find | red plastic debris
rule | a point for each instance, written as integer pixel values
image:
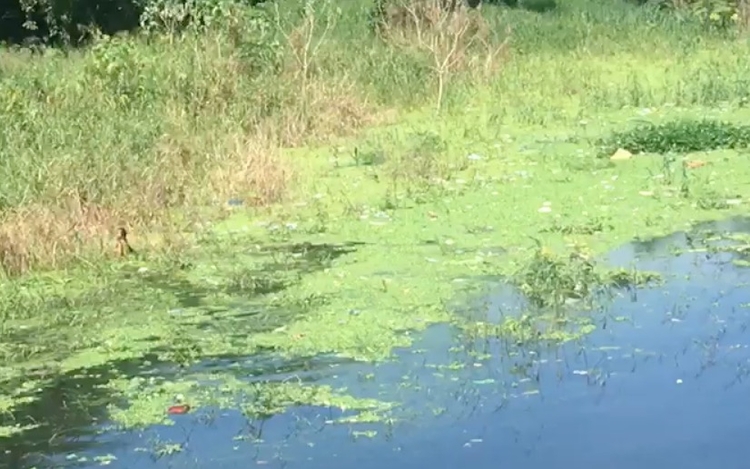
(178, 409)
(695, 164)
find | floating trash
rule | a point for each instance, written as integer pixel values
(546, 207)
(178, 409)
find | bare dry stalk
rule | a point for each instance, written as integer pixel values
(322, 106)
(303, 39)
(455, 38)
(743, 14)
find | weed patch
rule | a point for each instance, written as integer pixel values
(589, 227)
(680, 136)
(423, 168)
(552, 281)
(161, 130)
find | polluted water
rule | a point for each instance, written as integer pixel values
(659, 382)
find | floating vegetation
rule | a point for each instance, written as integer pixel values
(678, 136)
(549, 280)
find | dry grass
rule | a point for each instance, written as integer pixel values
(257, 174)
(44, 236)
(331, 109)
(743, 14)
(37, 236)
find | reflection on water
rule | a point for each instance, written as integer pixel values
(660, 383)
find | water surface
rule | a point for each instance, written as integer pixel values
(660, 383)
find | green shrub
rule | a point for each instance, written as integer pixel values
(72, 21)
(680, 136)
(714, 13)
(549, 280)
(539, 6)
(68, 21)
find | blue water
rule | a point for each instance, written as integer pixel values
(660, 383)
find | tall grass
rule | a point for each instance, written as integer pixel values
(136, 129)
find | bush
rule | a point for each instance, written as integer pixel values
(539, 6)
(68, 21)
(681, 136)
(73, 21)
(714, 13)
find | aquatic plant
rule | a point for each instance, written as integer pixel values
(679, 136)
(550, 281)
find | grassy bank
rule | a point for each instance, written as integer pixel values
(140, 130)
(423, 166)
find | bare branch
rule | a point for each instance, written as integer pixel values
(447, 32)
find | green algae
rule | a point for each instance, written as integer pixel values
(533, 329)
(148, 400)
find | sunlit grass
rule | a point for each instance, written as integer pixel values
(130, 130)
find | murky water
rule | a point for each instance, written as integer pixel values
(661, 383)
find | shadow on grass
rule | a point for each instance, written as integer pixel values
(272, 276)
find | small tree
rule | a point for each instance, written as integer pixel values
(305, 38)
(451, 34)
